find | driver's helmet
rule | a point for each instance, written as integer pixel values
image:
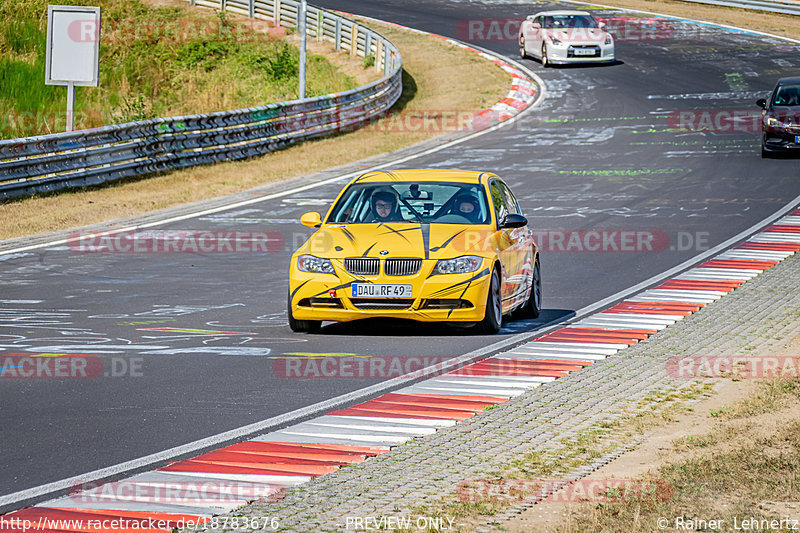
(468, 207)
(385, 195)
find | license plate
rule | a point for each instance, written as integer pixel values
(584, 52)
(377, 290)
(797, 139)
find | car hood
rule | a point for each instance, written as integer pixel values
(426, 241)
(578, 35)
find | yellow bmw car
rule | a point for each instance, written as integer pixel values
(428, 245)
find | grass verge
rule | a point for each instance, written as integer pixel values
(156, 60)
(477, 501)
(438, 78)
(742, 474)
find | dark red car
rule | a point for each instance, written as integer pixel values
(780, 120)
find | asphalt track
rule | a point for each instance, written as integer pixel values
(194, 336)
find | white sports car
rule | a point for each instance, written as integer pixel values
(560, 37)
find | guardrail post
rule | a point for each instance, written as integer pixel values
(319, 25)
(337, 39)
(379, 54)
(367, 43)
(222, 5)
(388, 60)
(251, 9)
(277, 13)
(354, 40)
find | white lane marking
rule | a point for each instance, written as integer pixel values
(271, 479)
(759, 255)
(404, 430)
(612, 325)
(69, 503)
(599, 349)
(439, 422)
(351, 436)
(776, 237)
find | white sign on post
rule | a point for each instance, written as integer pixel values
(73, 50)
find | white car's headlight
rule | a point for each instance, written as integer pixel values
(555, 41)
(310, 263)
(609, 39)
(459, 265)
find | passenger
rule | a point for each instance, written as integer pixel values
(385, 206)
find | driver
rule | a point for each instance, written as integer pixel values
(467, 206)
(385, 208)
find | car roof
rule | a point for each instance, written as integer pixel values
(787, 81)
(421, 175)
(562, 12)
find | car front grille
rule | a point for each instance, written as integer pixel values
(334, 303)
(439, 303)
(402, 267)
(362, 266)
(382, 303)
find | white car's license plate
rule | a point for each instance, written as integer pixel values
(584, 52)
(377, 290)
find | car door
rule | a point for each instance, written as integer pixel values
(512, 247)
(536, 36)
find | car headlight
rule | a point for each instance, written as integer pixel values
(555, 41)
(310, 263)
(609, 39)
(773, 122)
(459, 265)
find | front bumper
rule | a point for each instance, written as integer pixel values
(782, 140)
(440, 298)
(569, 53)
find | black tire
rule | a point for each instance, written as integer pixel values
(533, 306)
(493, 318)
(522, 52)
(545, 61)
(301, 326)
(765, 154)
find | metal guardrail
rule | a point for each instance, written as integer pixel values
(51, 162)
(788, 7)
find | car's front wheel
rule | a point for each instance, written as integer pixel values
(545, 60)
(765, 154)
(301, 326)
(493, 317)
(522, 53)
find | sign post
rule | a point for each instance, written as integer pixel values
(73, 50)
(301, 27)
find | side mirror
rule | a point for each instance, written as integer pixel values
(312, 220)
(601, 25)
(762, 103)
(513, 220)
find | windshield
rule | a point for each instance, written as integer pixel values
(787, 95)
(570, 21)
(424, 202)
